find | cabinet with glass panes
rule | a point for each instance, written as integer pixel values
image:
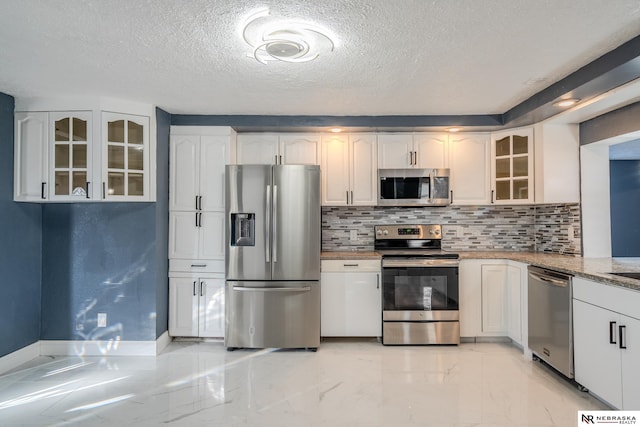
(80, 156)
(125, 170)
(512, 166)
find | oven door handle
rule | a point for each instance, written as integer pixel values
(420, 263)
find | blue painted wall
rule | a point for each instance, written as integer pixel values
(20, 250)
(625, 205)
(163, 123)
(108, 258)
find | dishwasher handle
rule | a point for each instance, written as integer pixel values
(549, 279)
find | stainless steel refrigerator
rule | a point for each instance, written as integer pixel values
(272, 237)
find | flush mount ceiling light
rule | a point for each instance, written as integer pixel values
(278, 39)
(567, 102)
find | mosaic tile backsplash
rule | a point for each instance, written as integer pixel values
(541, 228)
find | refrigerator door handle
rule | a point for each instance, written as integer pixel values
(252, 289)
(275, 223)
(267, 227)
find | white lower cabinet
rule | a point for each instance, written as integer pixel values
(606, 337)
(196, 306)
(351, 300)
(491, 299)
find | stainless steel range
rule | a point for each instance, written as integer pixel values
(419, 286)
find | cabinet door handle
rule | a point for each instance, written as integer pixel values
(280, 159)
(612, 333)
(104, 190)
(347, 196)
(87, 189)
(351, 197)
(378, 281)
(202, 285)
(350, 265)
(198, 265)
(275, 162)
(194, 288)
(196, 202)
(200, 202)
(492, 191)
(197, 219)
(42, 190)
(622, 329)
(200, 219)
(451, 195)
(415, 158)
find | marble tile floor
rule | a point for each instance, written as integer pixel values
(345, 383)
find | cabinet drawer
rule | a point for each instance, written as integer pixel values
(341, 265)
(197, 266)
(614, 298)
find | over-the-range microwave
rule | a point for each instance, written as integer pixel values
(413, 187)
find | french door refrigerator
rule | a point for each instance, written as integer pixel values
(272, 261)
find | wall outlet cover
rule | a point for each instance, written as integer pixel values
(102, 320)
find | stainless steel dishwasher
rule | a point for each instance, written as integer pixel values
(550, 318)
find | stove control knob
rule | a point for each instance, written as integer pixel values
(385, 232)
(379, 232)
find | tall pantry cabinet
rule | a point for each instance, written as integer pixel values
(198, 155)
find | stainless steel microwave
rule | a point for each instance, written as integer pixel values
(413, 187)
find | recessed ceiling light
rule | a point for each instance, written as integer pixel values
(454, 129)
(277, 39)
(567, 102)
(336, 130)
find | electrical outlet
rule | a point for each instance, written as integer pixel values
(102, 320)
(353, 235)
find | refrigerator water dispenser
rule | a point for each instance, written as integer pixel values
(243, 226)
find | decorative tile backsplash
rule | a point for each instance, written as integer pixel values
(543, 228)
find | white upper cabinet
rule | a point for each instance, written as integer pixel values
(76, 156)
(432, 150)
(70, 147)
(512, 166)
(395, 151)
(282, 149)
(406, 150)
(349, 172)
(557, 163)
(300, 149)
(31, 156)
(257, 148)
(125, 157)
(196, 172)
(469, 163)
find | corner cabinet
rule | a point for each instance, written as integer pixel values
(512, 167)
(64, 157)
(606, 337)
(349, 170)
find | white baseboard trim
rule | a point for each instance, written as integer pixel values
(162, 342)
(18, 357)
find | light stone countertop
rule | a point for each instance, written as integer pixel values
(595, 269)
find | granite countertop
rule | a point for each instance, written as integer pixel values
(350, 255)
(595, 269)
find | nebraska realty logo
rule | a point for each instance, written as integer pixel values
(627, 418)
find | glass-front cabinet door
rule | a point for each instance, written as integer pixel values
(125, 157)
(512, 166)
(70, 155)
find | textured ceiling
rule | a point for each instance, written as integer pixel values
(404, 57)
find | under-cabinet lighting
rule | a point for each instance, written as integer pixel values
(568, 102)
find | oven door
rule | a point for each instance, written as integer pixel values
(417, 289)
